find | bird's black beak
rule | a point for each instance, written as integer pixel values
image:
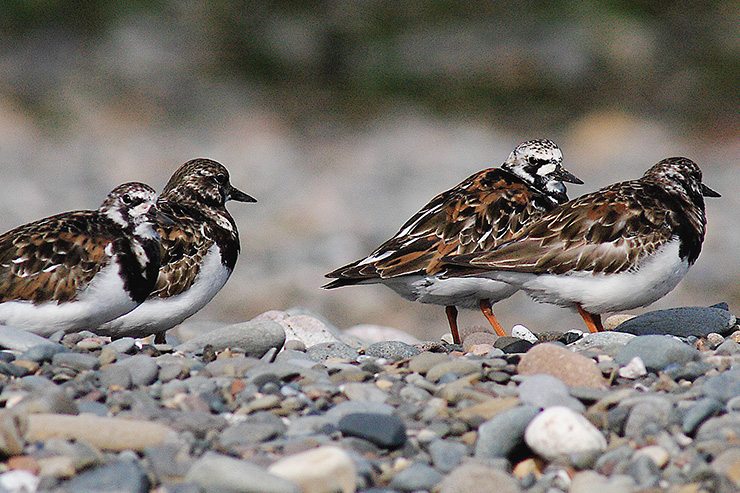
(708, 192)
(563, 174)
(239, 196)
(159, 217)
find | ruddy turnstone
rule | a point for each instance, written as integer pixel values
(79, 269)
(621, 247)
(199, 250)
(476, 215)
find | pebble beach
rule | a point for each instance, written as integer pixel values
(289, 403)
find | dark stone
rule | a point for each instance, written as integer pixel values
(384, 430)
(518, 347)
(682, 322)
(118, 477)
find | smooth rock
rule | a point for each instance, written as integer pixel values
(18, 481)
(386, 431)
(727, 348)
(121, 476)
(547, 391)
(593, 482)
(21, 340)
(501, 434)
(608, 343)
(477, 413)
(356, 391)
(323, 470)
(123, 345)
(700, 412)
(648, 416)
(512, 345)
(254, 337)
(52, 400)
(726, 427)
(417, 477)
(75, 361)
(221, 474)
(724, 386)
(571, 368)
(447, 455)
(391, 350)
(561, 432)
(522, 332)
(458, 367)
(120, 434)
(258, 427)
(115, 376)
(613, 321)
(13, 427)
(43, 352)
(476, 338)
(656, 352)
(655, 453)
(634, 369)
(343, 409)
(478, 478)
(377, 333)
(334, 350)
(681, 322)
(143, 369)
(424, 362)
(727, 464)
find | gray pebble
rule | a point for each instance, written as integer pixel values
(143, 369)
(392, 350)
(43, 352)
(75, 361)
(417, 477)
(447, 455)
(698, 413)
(498, 436)
(116, 477)
(724, 386)
(258, 427)
(681, 322)
(122, 345)
(547, 391)
(325, 350)
(19, 340)
(113, 375)
(648, 417)
(384, 430)
(254, 337)
(222, 474)
(657, 352)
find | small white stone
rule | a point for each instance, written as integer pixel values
(558, 431)
(522, 332)
(323, 470)
(634, 369)
(19, 481)
(447, 338)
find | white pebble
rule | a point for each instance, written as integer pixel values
(19, 481)
(558, 431)
(322, 470)
(634, 369)
(522, 332)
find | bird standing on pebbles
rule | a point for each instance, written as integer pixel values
(621, 247)
(199, 250)
(76, 270)
(476, 215)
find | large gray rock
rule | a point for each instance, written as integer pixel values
(219, 473)
(657, 352)
(116, 477)
(142, 369)
(683, 322)
(21, 340)
(254, 337)
(501, 434)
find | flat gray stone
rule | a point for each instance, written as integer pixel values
(116, 477)
(143, 369)
(254, 337)
(76, 361)
(392, 350)
(384, 430)
(682, 322)
(20, 340)
(547, 391)
(325, 350)
(417, 477)
(498, 436)
(657, 352)
(219, 473)
(608, 342)
(724, 386)
(447, 455)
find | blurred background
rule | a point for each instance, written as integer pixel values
(345, 117)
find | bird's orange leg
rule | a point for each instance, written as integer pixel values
(451, 312)
(592, 320)
(485, 307)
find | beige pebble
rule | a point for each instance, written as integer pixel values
(573, 369)
(323, 470)
(613, 321)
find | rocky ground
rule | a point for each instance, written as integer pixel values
(287, 403)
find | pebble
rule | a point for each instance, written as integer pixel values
(591, 481)
(501, 434)
(123, 345)
(258, 427)
(547, 391)
(573, 369)
(512, 345)
(322, 470)
(424, 362)
(416, 477)
(331, 350)
(724, 386)
(20, 340)
(456, 367)
(634, 369)
(608, 343)
(75, 361)
(559, 431)
(142, 369)
(478, 478)
(120, 434)
(614, 321)
(219, 473)
(12, 432)
(42, 352)
(656, 352)
(391, 350)
(447, 455)
(727, 464)
(384, 430)
(254, 337)
(121, 476)
(681, 322)
(698, 413)
(522, 332)
(18, 481)
(364, 392)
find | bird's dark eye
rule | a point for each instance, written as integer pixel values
(126, 199)
(533, 160)
(221, 179)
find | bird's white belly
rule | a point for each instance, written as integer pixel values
(160, 314)
(655, 277)
(102, 300)
(463, 292)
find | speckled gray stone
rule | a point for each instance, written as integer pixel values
(657, 352)
(392, 350)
